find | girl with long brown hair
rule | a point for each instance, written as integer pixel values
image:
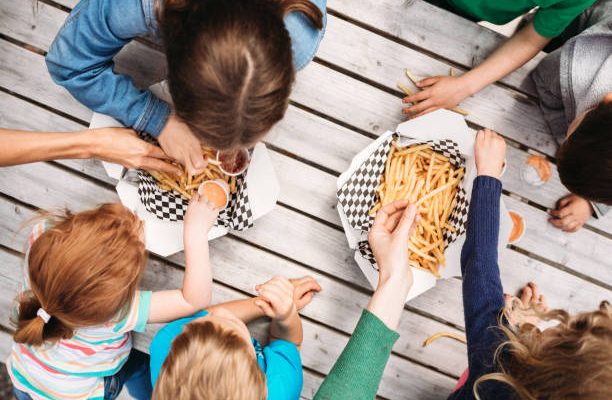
(231, 65)
(80, 301)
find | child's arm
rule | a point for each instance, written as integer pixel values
(81, 59)
(245, 310)
(276, 300)
(196, 293)
(483, 297)
(118, 145)
(447, 91)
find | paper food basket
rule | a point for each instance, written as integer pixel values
(448, 134)
(162, 211)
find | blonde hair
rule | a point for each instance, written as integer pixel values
(83, 271)
(572, 360)
(209, 362)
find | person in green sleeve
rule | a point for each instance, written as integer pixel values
(358, 370)
(551, 19)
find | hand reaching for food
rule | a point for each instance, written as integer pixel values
(199, 219)
(571, 214)
(177, 140)
(388, 238)
(489, 153)
(436, 92)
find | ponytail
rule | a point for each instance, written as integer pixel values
(306, 7)
(31, 329)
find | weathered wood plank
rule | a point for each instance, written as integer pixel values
(434, 30)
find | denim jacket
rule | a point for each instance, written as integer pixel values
(81, 57)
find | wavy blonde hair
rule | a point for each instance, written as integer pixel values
(572, 360)
(209, 362)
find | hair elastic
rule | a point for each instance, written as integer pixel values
(43, 315)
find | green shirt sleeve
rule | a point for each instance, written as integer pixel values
(551, 20)
(358, 371)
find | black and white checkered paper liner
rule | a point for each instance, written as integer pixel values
(358, 194)
(169, 206)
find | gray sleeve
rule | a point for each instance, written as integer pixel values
(600, 209)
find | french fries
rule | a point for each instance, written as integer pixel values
(428, 180)
(187, 185)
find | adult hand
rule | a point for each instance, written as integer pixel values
(304, 290)
(123, 146)
(200, 217)
(571, 214)
(489, 153)
(181, 144)
(388, 238)
(276, 299)
(436, 92)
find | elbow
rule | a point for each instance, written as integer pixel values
(199, 302)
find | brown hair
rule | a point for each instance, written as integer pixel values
(83, 271)
(209, 362)
(230, 68)
(568, 361)
(585, 158)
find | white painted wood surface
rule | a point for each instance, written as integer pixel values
(340, 103)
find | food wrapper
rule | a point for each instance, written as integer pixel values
(163, 211)
(447, 133)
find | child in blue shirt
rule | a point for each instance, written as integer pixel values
(211, 354)
(231, 65)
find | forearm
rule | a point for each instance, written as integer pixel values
(21, 147)
(289, 330)
(514, 53)
(197, 281)
(358, 370)
(387, 302)
(245, 310)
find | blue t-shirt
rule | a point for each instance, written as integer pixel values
(280, 360)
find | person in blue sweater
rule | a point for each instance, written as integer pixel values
(508, 356)
(231, 65)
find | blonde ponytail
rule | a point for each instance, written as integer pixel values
(305, 7)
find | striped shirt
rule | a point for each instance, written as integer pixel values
(75, 368)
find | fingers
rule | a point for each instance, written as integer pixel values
(415, 98)
(265, 307)
(569, 223)
(565, 201)
(407, 221)
(309, 286)
(536, 291)
(195, 163)
(156, 152)
(561, 212)
(526, 295)
(382, 216)
(428, 81)
(417, 108)
(157, 164)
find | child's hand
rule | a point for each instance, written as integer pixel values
(571, 214)
(436, 92)
(181, 144)
(276, 298)
(489, 152)
(199, 218)
(304, 290)
(393, 226)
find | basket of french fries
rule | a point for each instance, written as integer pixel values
(429, 161)
(167, 196)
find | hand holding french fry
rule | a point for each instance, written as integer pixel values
(489, 153)
(389, 238)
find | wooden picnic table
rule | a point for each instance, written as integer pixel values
(341, 102)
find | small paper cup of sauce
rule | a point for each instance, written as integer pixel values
(233, 162)
(518, 227)
(216, 191)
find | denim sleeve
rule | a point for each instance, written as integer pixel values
(305, 37)
(81, 60)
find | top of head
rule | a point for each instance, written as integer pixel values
(83, 270)
(230, 66)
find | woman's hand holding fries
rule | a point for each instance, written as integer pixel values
(182, 145)
(388, 238)
(489, 153)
